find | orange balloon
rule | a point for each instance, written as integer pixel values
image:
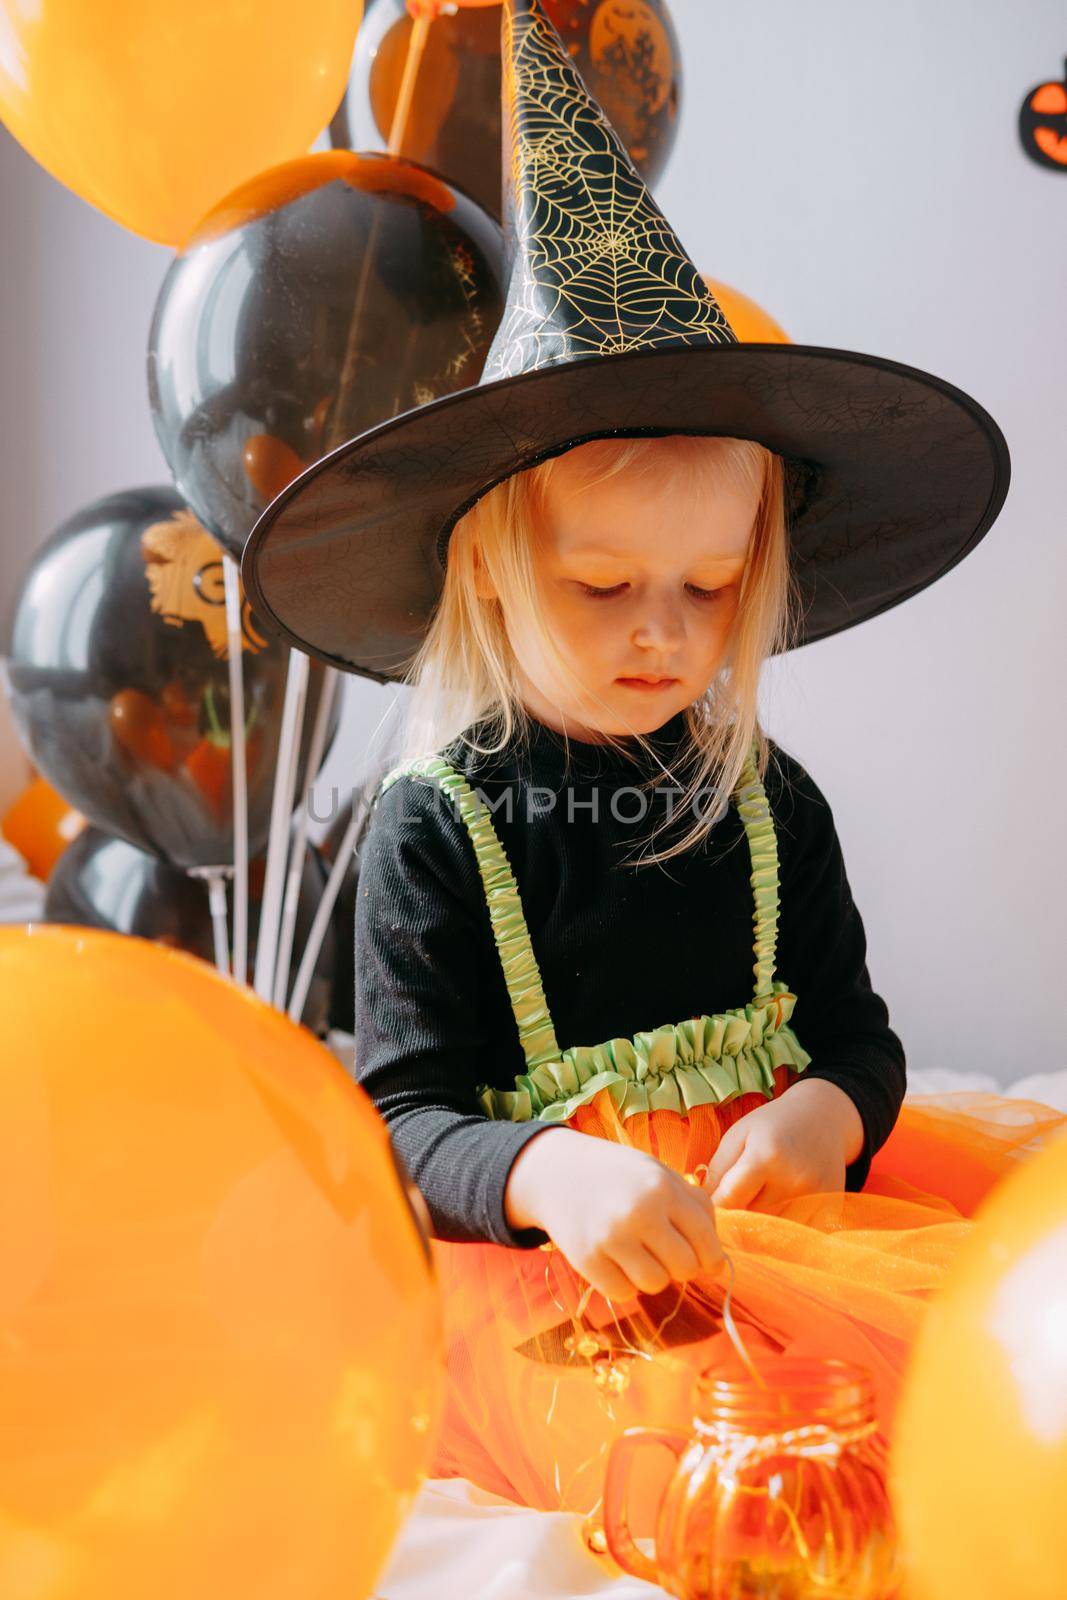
(980, 1458)
(749, 321)
(152, 111)
(40, 824)
(220, 1344)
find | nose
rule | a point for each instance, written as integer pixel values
(661, 626)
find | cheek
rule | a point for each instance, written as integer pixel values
(594, 631)
(728, 610)
(582, 629)
(567, 623)
(719, 625)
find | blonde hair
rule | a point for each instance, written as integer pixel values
(464, 670)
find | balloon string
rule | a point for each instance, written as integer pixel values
(296, 685)
(298, 846)
(321, 920)
(235, 667)
(420, 28)
(697, 1177)
(732, 1330)
(214, 880)
(398, 127)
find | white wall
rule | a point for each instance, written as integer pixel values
(856, 169)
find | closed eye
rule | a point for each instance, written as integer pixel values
(617, 588)
(602, 594)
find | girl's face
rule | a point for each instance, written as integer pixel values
(640, 578)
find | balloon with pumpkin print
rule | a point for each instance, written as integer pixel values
(1043, 123)
(118, 677)
(626, 50)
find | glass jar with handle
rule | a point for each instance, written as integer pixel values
(778, 1492)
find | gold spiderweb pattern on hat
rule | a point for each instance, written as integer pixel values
(597, 270)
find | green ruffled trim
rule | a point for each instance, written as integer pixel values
(521, 972)
(754, 809)
(704, 1060)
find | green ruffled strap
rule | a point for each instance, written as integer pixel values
(521, 972)
(704, 1060)
(755, 811)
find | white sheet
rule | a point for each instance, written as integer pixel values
(461, 1543)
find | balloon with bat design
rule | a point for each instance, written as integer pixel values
(118, 676)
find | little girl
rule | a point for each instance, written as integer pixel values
(583, 878)
(592, 658)
(599, 843)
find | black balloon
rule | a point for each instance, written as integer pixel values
(324, 297)
(103, 882)
(118, 677)
(626, 50)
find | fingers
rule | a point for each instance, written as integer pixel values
(731, 1148)
(742, 1183)
(696, 1222)
(610, 1280)
(679, 1247)
(645, 1270)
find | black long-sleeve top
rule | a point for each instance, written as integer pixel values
(620, 949)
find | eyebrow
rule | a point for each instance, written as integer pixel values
(733, 563)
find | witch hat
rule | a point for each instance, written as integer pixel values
(892, 475)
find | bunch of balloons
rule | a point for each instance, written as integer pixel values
(219, 1339)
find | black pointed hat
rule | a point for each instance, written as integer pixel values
(892, 475)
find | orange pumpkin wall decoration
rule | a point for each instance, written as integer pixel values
(1043, 124)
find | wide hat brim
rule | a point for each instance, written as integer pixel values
(893, 476)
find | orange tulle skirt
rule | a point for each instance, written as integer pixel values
(543, 1373)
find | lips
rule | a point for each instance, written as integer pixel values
(652, 682)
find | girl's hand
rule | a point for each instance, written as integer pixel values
(798, 1144)
(626, 1222)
